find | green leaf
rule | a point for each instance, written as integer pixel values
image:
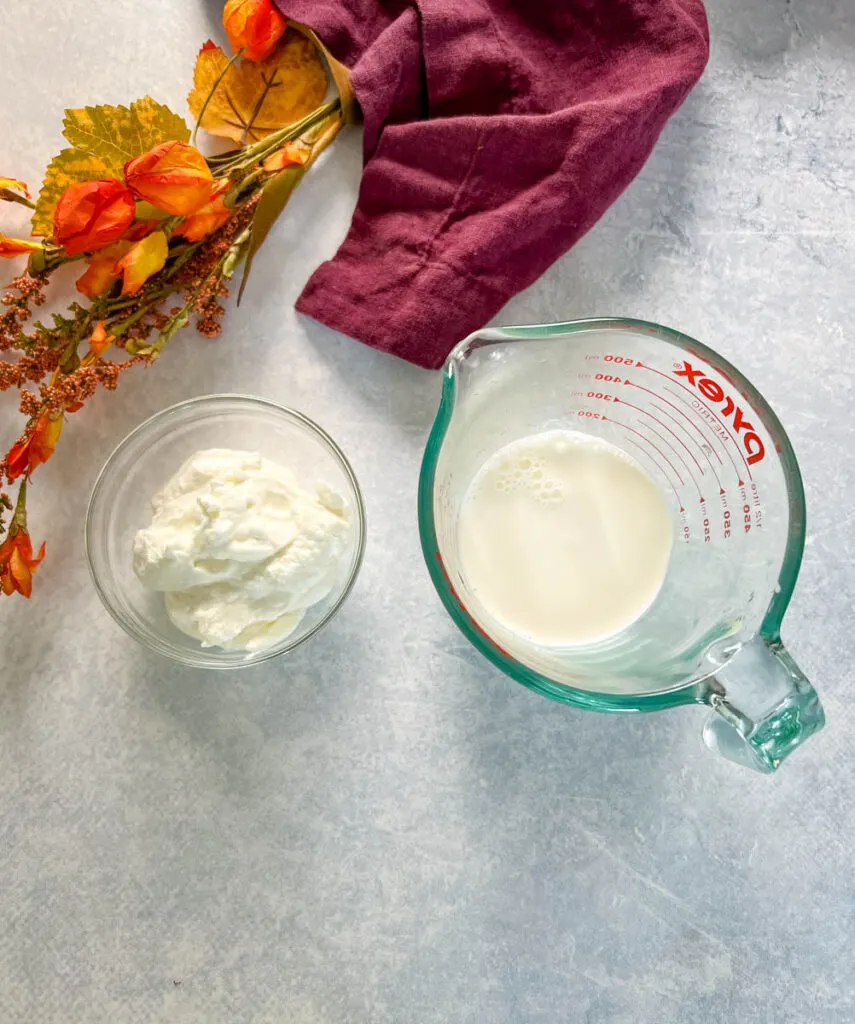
(145, 211)
(273, 200)
(70, 359)
(103, 139)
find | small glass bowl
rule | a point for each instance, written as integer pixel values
(140, 466)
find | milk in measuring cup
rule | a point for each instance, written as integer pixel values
(564, 539)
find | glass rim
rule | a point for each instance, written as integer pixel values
(210, 657)
(692, 690)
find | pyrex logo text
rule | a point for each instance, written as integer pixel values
(715, 393)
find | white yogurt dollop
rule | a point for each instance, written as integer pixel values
(240, 549)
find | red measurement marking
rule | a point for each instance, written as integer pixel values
(644, 451)
(645, 438)
(704, 446)
(671, 432)
(706, 522)
(736, 469)
(688, 419)
(694, 395)
(671, 447)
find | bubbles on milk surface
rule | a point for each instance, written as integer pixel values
(564, 538)
(528, 471)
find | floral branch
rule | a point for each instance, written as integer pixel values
(164, 221)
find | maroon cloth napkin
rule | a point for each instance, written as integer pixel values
(497, 132)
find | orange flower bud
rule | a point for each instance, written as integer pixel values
(173, 176)
(98, 278)
(255, 26)
(102, 270)
(92, 214)
(17, 564)
(14, 185)
(207, 218)
(139, 229)
(143, 259)
(99, 339)
(34, 449)
(290, 154)
(11, 247)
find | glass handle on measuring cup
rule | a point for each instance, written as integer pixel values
(764, 707)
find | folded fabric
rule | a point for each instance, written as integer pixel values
(497, 132)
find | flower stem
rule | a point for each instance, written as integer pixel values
(326, 136)
(210, 95)
(258, 150)
(10, 197)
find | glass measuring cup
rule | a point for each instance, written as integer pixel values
(733, 487)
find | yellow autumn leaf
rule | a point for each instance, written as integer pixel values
(255, 99)
(120, 133)
(103, 139)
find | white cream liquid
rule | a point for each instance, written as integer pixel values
(564, 539)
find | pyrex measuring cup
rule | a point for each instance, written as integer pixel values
(721, 457)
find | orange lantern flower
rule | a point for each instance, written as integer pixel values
(14, 185)
(143, 259)
(207, 218)
(173, 176)
(98, 278)
(34, 449)
(92, 214)
(17, 564)
(102, 270)
(139, 229)
(254, 26)
(11, 247)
